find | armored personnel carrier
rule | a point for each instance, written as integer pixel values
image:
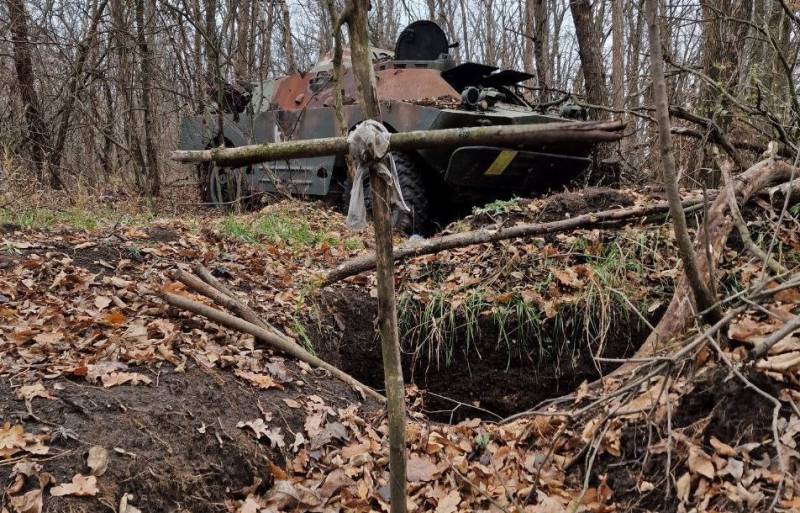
(420, 87)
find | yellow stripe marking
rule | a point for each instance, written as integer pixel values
(501, 163)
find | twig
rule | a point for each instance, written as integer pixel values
(761, 350)
(741, 226)
(480, 490)
(367, 261)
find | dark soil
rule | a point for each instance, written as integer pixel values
(558, 206)
(490, 380)
(182, 449)
(588, 200)
(102, 258)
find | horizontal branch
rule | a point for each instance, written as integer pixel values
(366, 262)
(543, 133)
(783, 151)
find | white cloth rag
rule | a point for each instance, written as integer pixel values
(369, 148)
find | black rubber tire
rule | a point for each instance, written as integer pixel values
(231, 181)
(414, 194)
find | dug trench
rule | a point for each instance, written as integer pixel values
(488, 372)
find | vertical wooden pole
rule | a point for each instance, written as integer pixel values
(704, 298)
(387, 310)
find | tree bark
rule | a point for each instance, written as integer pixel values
(700, 290)
(37, 133)
(618, 64)
(153, 184)
(591, 59)
(540, 48)
(241, 60)
(288, 45)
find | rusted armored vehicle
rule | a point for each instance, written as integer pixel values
(420, 88)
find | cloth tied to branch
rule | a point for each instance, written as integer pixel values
(369, 148)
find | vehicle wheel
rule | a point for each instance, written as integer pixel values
(222, 187)
(414, 194)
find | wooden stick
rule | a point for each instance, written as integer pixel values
(239, 308)
(763, 348)
(226, 300)
(367, 261)
(364, 72)
(280, 343)
(545, 133)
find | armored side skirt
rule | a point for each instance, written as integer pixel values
(492, 169)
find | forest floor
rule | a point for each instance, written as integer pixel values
(111, 400)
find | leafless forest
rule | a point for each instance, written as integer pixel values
(92, 92)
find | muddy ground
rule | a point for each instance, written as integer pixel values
(175, 445)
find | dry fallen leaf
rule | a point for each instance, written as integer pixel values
(683, 486)
(121, 378)
(721, 448)
(29, 502)
(700, 463)
(97, 461)
(450, 502)
(28, 392)
(264, 381)
(125, 506)
(420, 468)
(257, 426)
(81, 486)
(101, 302)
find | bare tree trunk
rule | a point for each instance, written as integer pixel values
(153, 185)
(617, 63)
(530, 35)
(634, 60)
(241, 60)
(288, 45)
(540, 48)
(73, 86)
(37, 133)
(341, 126)
(702, 295)
(465, 42)
(723, 49)
(589, 50)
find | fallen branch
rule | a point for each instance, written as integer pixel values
(741, 225)
(366, 262)
(280, 343)
(761, 350)
(225, 300)
(547, 133)
(237, 307)
(681, 309)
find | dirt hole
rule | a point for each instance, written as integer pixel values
(487, 374)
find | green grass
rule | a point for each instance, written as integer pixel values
(610, 304)
(39, 218)
(497, 207)
(276, 228)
